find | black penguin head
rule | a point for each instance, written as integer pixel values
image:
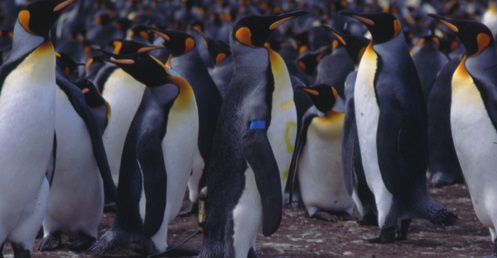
(125, 47)
(382, 26)
(92, 97)
(253, 31)
(38, 17)
(218, 50)
(308, 61)
(144, 68)
(66, 63)
(355, 45)
(474, 36)
(322, 96)
(177, 42)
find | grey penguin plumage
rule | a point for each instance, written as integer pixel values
(473, 116)
(156, 158)
(392, 130)
(250, 156)
(443, 165)
(222, 72)
(27, 105)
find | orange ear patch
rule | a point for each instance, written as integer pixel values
(244, 36)
(189, 44)
(220, 57)
(24, 17)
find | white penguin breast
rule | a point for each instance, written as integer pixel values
(320, 169)
(475, 141)
(124, 94)
(27, 124)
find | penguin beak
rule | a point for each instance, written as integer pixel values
(62, 5)
(159, 33)
(284, 18)
(445, 21)
(147, 49)
(359, 17)
(335, 33)
(122, 61)
(309, 90)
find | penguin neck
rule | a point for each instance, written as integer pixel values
(23, 43)
(186, 61)
(397, 44)
(246, 57)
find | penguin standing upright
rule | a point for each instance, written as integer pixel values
(351, 153)
(473, 116)
(156, 159)
(222, 72)
(124, 94)
(80, 172)
(187, 62)
(27, 125)
(392, 130)
(326, 191)
(254, 141)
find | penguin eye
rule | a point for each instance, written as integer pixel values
(244, 36)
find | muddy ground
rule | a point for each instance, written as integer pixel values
(301, 236)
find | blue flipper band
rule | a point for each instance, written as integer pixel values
(257, 124)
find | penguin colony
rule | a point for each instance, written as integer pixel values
(250, 105)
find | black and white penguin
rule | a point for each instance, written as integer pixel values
(325, 190)
(156, 159)
(27, 125)
(222, 71)
(254, 142)
(473, 116)
(392, 129)
(76, 197)
(187, 62)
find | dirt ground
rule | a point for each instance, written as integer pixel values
(301, 236)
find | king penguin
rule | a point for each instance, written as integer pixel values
(473, 116)
(27, 126)
(392, 129)
(254, 143)
(76, 197)
(351, 153)
(325, 190)
(124, 94)
(187, 62)
(156, 159)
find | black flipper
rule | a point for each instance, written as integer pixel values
(258, 153)
(300, 143)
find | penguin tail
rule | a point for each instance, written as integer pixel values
(114, 238)
(439, 215)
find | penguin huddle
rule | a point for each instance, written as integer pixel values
(249, 105)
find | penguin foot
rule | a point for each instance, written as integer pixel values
(81, 243)
(387, 235)
(20, 252)
(51, 242)
(114, 238)
(110, 207)
(193, 209)
(403, 229)
(326, 216)
(369, 219)
(252, 254)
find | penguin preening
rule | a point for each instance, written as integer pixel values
(76, 197)
(392, 129)
(473, 116)
(27, 125)
(325, 190)
(156, 159)
(249, 158)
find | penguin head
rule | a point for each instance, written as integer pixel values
(144, 68)
(92, 95)
(253, 31)
(218, 50)
(124, 47)
(355, 45)
(177, 42)
(38, 17)
(382, 26)
(308, 61)
(66, 63)
(474, 36)
(323, 96)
